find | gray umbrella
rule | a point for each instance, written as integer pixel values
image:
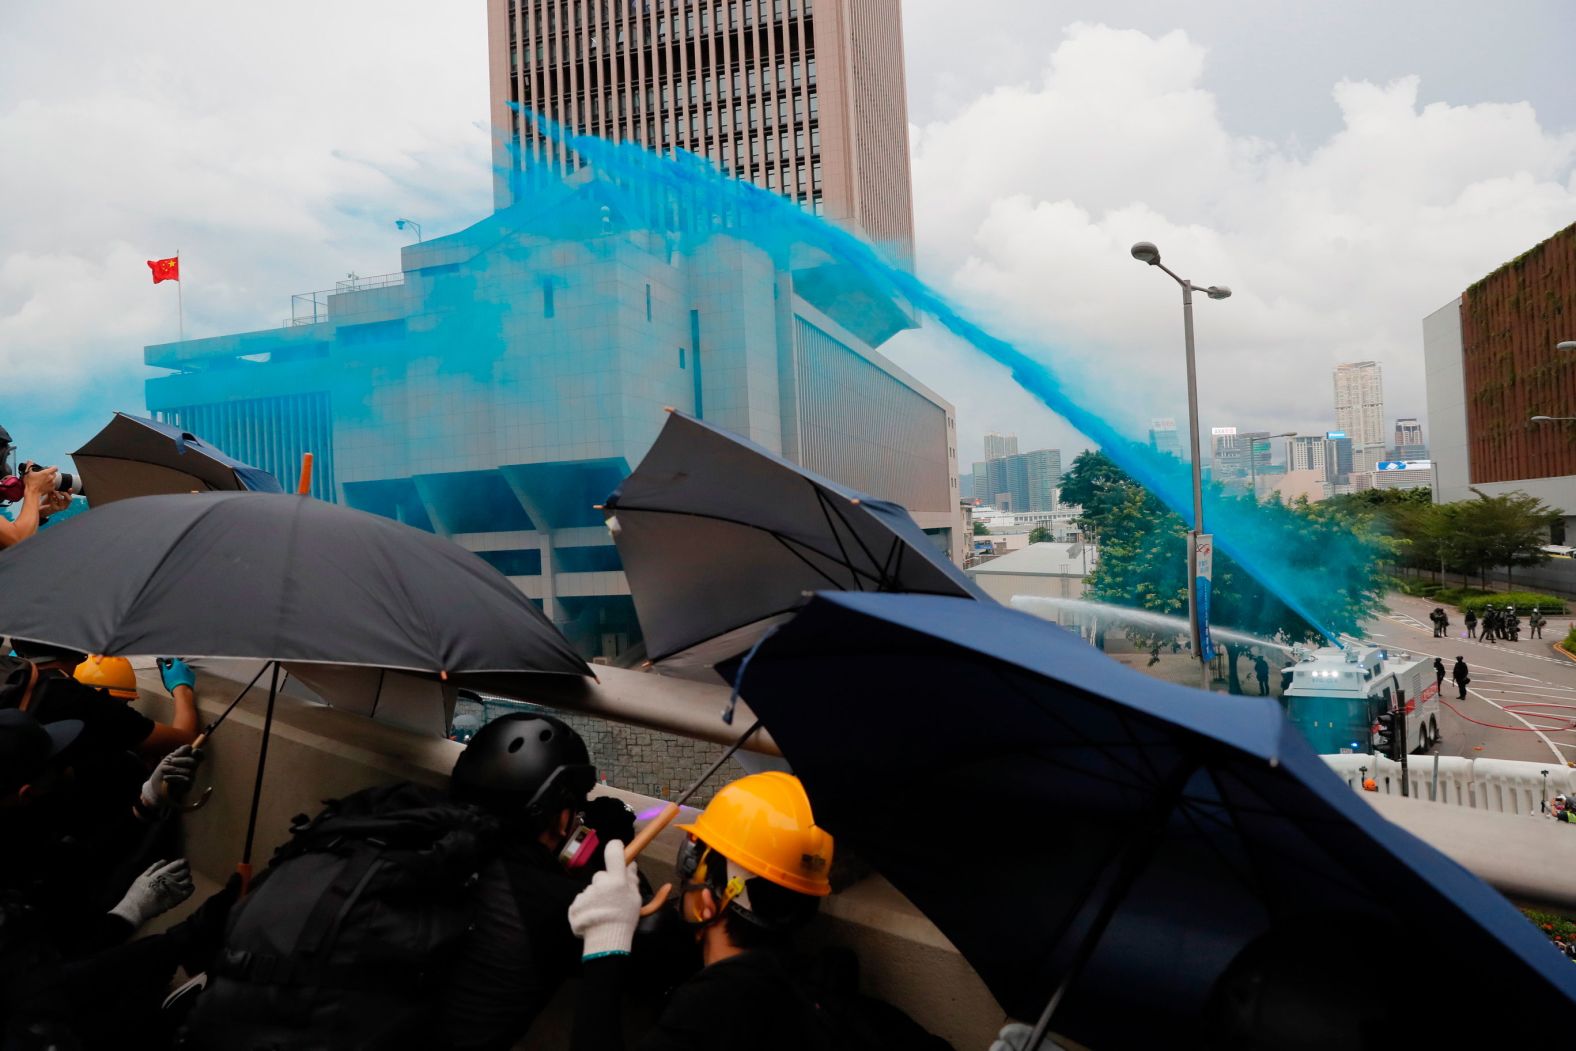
(721, 539)
(278, 578)
(133, 456)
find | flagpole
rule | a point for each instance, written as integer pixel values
(180, 304)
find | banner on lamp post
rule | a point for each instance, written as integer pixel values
(1203, 572)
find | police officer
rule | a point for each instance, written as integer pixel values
(1490, 624)
(1536, 622)
(1512, 625)
(1472, 623)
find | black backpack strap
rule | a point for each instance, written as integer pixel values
(322, 924)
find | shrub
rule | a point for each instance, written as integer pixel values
(1522, 600)
(1552, 924)
(1570, 639)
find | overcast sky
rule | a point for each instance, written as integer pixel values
(1347, 167)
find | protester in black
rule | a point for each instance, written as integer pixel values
(1461, 676)
(1439, 675)
(1261, 672)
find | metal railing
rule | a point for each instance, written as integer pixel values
(309, 308)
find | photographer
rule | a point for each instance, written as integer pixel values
(38, 496)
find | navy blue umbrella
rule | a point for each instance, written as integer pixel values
(1157, 865)
(721, 539)
(133, 456)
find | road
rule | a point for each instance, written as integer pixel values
(1524, 691)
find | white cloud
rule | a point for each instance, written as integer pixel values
(272, 148)
(1028, 198)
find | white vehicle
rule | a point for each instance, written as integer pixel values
(1335, 696)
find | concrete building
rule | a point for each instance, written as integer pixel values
(1239, 456)
(1491, 365)
(1164, 437)
(1310, 452)
(1403, 474)
(1409, 440)
(1359, 411)
(1046, 570)
(1023, 481)
(504, 382)
(1000, 445)
(802, 97)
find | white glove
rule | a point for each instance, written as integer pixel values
(175, 771)
(606, 912)
(1015, 1036)
(165, 885)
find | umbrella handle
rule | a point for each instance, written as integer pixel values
(169, 796)
(244, 870)
(305, 485)
(653, 828)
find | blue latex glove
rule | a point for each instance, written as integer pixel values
(176, 672)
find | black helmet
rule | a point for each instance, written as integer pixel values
(524, 765)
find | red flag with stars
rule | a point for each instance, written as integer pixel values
(165, 269)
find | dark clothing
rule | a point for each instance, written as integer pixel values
(109, 726)
(1461, 676)
(1439, 675)
(1261, 672)
(1472, 623)
(749, 1002)
(519, 951)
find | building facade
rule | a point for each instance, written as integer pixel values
(1310, 453)
(504, 382)
(1164, 437)
(1000, 445)
(1023, 481)
(1493, 363)
(1359, 411)
(1409, 443)
(802, 97)
(1239, 456)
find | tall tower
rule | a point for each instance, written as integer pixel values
(999, 445)
(802, 97)
(1359, 411)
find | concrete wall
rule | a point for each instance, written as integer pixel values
(1447, 401)
(316, 753)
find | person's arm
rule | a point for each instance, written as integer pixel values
(605, 915)
(35, 485)
(182, 727)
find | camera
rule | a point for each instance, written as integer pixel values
(12, 487)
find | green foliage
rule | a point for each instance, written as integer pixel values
(1552, 924)
(1143, 557)
(1522, 600)
(1040, 535)
(980, 529)
(1570, 639)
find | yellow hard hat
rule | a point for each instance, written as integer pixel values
(763, 824)
(110, 673)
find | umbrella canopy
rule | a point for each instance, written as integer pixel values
(133, 456)
(1173, 856)
(275, 577)
(721, 538)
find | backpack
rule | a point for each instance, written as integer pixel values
(345, 939)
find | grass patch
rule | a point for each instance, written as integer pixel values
(1553, 925)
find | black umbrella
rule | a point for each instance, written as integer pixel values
(277, 578)
(721, 538)
(1162, 866)
(133, 456)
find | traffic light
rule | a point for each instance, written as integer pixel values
(1387, 735)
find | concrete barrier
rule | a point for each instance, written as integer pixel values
(316, 753)
(1499, 786)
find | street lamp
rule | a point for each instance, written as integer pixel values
(400, 224)
(1253, 459)
(1565, 344)
(1551, 419)
(1145, 252)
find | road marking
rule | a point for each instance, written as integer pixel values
(1541, 735)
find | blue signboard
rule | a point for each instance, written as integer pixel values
(1391, 465)
(1205, 644)
(1333, 435)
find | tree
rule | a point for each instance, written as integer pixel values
(1040, 535)
(1336, 552)
(1508, 530)
(980, 529)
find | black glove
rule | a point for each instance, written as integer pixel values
(610, 819)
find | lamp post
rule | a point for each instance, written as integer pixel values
(400, 224)
(1145, 252)
(1565, 344)
(1253, 459)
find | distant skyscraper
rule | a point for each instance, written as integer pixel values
(1239, 454)
(803, 98)
(999, 445)
(1310, 453)
(1359, 411)
(1163, 437)
(1022, 481)
(1409, 440)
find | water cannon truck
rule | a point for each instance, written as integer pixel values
(1335, 696)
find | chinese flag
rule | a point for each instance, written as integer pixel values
(165, 269)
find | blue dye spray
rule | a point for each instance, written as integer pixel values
(686, 199)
